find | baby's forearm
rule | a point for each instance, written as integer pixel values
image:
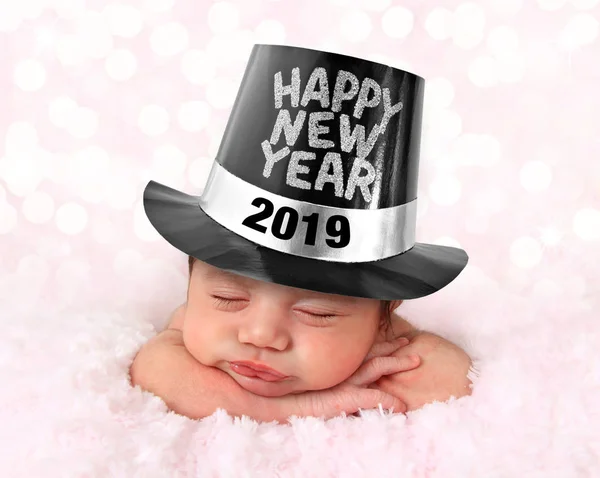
(165, 368)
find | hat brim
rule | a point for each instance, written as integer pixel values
(418, 272)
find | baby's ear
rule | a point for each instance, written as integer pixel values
(177, 318)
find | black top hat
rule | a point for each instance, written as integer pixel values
(315, 182)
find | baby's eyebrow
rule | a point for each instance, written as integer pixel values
(215, 273)
(338, 300)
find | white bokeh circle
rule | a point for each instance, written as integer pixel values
(445, 123)
(483, 71)
(581, 29)
(584, 4)
(510, 67)
(550, 236)
(221, 92)
(193, 116)
(123, 20)
(89, 173)
(60, 111)
(38, 207)
(69, 50)
(355, 26)
(8, 218)
(82, 123)
(374, 5)
(22, 173)
(223, 17)
(439, 23)
(525, 252)
(397, 22)
(92, 35)
(468, 25)
(21, 138)
(198, 67)
(10, 17)
(445, 190)
(168, 163)
(122, 192)
(153, 120)
(169, 39)
(490, 200)
(29, 75)
(159, 5)
(439, 93)
(502, 39)
(230, 48)
(69, 9)
(270, 31)
(551, 5)
(71, 218)
(586, 224)
(508, 7)
(535, 176)
(120, 64)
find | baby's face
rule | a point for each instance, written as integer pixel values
(315, 340)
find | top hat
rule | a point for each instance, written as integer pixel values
(315, 182)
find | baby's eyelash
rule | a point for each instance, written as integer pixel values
(223, 300)
(323, 317)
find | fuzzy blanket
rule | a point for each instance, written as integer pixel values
(67, 408)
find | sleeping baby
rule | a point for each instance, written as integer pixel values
(270, 351)
(301, 246)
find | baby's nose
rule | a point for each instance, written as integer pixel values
(268, 330)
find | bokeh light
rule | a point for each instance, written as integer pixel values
(71, 218)
(169, 39)
(153, 120)
(29, 75)
(120, 64)
(525, 252)
(223, 17)
(397, 22)
(355, 26)
(193, 115)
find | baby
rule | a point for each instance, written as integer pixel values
(270, 351)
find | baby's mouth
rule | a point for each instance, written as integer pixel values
(248, 371)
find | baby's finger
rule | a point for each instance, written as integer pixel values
(374, 398)
(386, 348)
(352, 402)
(375, 368)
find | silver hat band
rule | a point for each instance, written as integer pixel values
(307, 229)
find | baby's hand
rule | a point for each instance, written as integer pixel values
(442, 373)
(353, 394)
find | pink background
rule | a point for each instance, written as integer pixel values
(98, 98)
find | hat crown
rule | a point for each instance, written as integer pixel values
(325, 128)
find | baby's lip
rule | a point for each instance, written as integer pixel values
(259, 368)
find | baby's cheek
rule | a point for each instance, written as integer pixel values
(194, 342)
(329, 365)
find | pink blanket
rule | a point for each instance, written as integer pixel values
(67, 409)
